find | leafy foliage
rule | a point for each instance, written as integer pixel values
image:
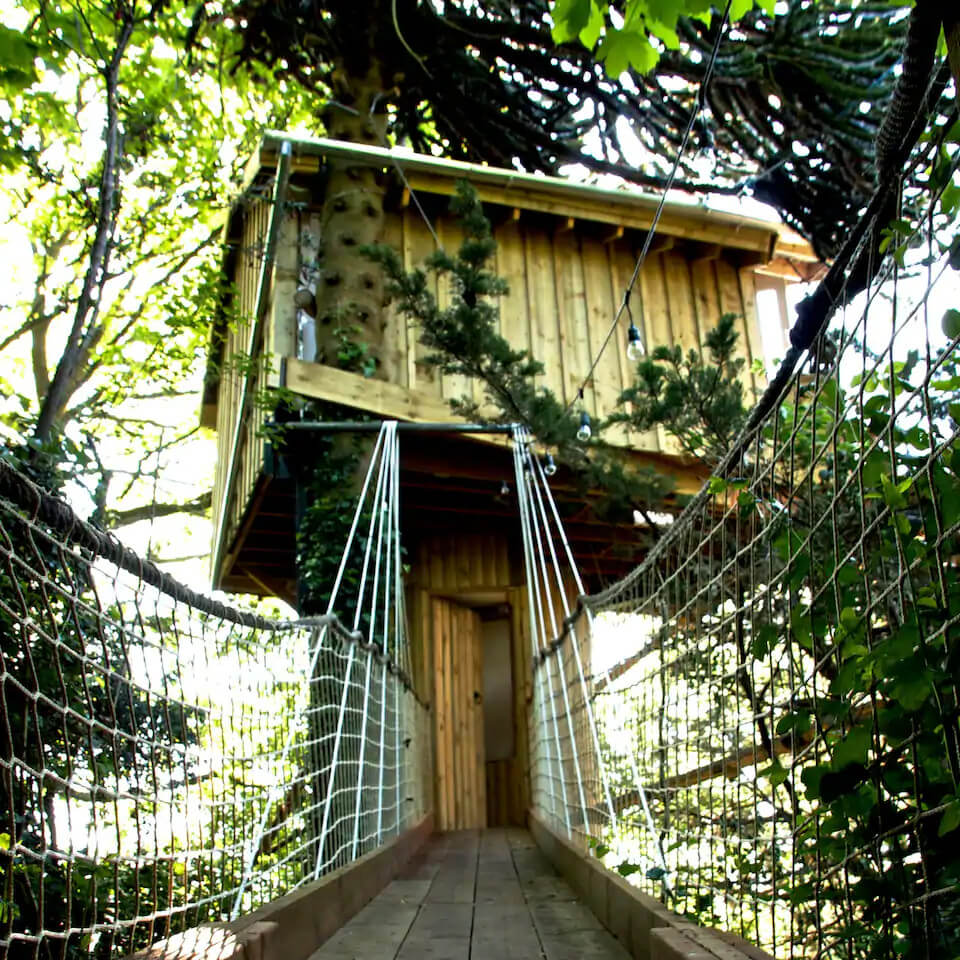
(114, 228)
(699, 398)
(877, 620)
(791, 115)
(639, 34)
(463, 339)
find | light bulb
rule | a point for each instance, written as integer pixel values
(584, 433)
(504, 489)
(635, 350)
(549, 467)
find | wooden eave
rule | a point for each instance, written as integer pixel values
(557, 196)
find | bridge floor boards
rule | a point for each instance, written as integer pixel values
(475, 895)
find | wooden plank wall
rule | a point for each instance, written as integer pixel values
(246, 278)
(566, 283)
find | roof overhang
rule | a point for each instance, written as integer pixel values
(627, 207)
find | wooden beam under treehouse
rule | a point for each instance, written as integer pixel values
(388, 400)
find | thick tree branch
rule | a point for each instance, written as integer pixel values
(84, 331)
(199, 506)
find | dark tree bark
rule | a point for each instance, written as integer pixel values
(85, 331)
(791, 115)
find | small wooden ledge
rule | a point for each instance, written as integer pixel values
(292, 927)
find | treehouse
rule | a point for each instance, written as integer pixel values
(567, 252)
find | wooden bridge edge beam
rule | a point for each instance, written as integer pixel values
(294, 926)
(646, 928)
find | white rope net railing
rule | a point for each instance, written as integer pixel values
(166, 760)
(571, 783)
(761, 724)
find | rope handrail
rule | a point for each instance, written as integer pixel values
(168, 760)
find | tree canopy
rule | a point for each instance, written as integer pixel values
(790, 116)
(118, 157)
(128, 122)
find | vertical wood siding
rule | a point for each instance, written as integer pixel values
(245, 279)
(566, 285)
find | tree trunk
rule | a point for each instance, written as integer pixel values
(349, 295)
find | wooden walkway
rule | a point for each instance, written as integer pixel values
(475, 895)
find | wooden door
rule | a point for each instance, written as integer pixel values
(508, 777)
(460, 797)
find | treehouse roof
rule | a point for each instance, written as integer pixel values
(627, 206)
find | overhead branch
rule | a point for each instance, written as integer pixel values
(198, 506)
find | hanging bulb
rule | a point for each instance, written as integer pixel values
(504, 489)
(584, 433)
(549, 467)
(635, 350)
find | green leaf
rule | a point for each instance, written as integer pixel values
(950, 199)
(590, 34)
(570, 17)
(801, 624)
(913, 691)
(655, 873)
(666, 34)
(892, 496)
(811, 778)
(799, 721)
(738, 8)
(764, 640)
(622, 49)
(950, 819)
(853, 748)
(17, 54)
(950, 324)
(776, 773)
(626, 869)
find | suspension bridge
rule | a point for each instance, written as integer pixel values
(749, 746)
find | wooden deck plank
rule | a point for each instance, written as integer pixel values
(475, 895)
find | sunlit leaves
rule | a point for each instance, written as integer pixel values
(622, 50)
(634, 40)
(17, 52)
(187, 128)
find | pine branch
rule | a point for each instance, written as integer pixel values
(464, 341)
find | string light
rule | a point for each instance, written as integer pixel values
(635, 349)
(585, 432)
(504, 489)
(701, 100)
(549, 466)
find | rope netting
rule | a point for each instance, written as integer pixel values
(166, 760)
(776, 689)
